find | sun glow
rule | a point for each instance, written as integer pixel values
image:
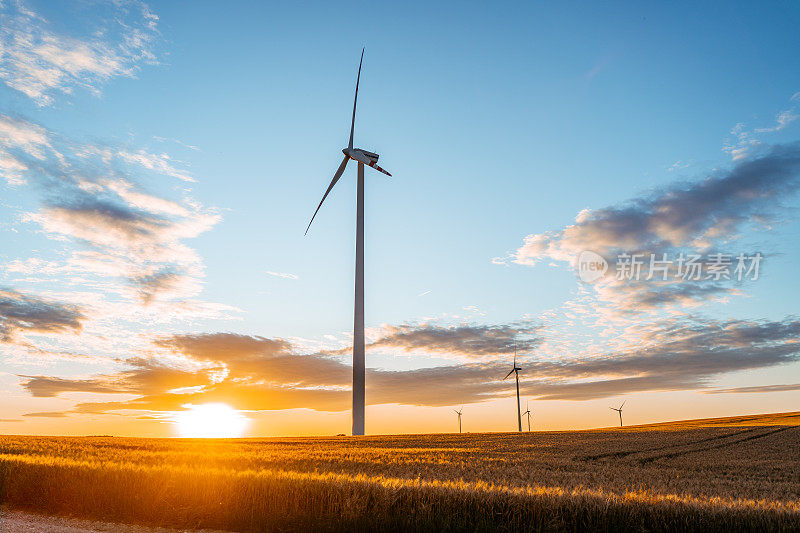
(210, 420)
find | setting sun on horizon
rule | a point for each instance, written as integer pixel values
(210, 420)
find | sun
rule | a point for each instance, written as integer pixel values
(210, 421)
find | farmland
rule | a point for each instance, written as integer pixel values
(719, 474)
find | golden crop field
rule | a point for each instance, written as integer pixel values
(716, 474)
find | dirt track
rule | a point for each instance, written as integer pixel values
(19, 522)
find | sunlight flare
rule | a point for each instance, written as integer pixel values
(210, 420)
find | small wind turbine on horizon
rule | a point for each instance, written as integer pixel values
(528, 412)
(619, 410)
(515, 370)
(362, 157)
(459, 417)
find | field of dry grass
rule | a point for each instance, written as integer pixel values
(716, 474)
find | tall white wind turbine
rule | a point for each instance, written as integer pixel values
(362, 157)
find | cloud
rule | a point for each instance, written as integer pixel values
(642, 296)
(257, 373)
(745, 141)
(465, 339)
(49, 387)
(47, 414)
(158, 163)
(18, 135)
(283, 275)
(259, 359)
(146, 377)
(783, 119)
(41, 63)
(19, 312)
(756, 389)
(164, 281)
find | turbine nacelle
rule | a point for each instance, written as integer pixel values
(362, 156)
(369, 155)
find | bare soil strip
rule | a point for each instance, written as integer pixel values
(21, 522)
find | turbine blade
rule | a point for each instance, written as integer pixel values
(623, 404)
(353, 122)
(333, 182)
(505, 378)
(379, 169)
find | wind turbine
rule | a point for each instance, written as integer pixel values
(362, 157)
(515, 370)
(459, 417)
(619, 410)
(528, 412)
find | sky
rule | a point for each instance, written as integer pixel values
(159, 164)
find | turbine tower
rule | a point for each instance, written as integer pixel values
(619, 410)
(515, 370)
(528, 412)
(362, 157)
(459, 417)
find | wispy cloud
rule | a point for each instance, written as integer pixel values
(42, 63)
(20, 312)
(283, 275)
(783, 119)
(469, 340)
(47, 414)
(147, 376)
(744, 141)
(756, 389)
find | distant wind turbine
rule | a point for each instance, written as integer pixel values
(619, 410)
(528, 412)
(515, 370)
(362, 157)
(459, 417)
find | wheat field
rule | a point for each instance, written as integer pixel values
(715, 474)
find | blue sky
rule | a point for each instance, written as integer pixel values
(496, 123)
